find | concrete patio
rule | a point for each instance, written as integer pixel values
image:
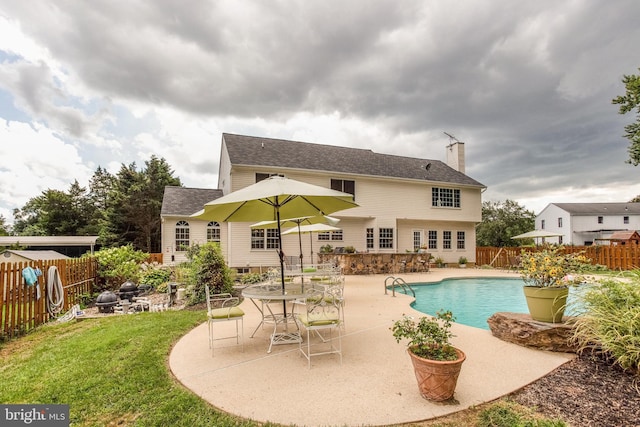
(374, 385)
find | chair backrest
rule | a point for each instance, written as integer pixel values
(224, 300)
(323, 307)
(207, 294)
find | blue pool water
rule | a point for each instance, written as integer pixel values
(472, 301)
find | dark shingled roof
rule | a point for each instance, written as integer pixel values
(183, 201)
(257, 151)
(600, 208)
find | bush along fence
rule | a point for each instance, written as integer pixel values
(59, 285)
(621, 257)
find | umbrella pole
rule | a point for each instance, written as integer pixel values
(311, 243)
(300, 242)
(281, 254)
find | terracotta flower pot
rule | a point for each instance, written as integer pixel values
(437, 379)
(546, 304)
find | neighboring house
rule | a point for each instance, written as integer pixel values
(12, 255)
(404, 202)
(587, 223)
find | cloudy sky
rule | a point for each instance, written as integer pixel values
(526, 85)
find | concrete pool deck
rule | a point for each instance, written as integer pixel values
(375, 384)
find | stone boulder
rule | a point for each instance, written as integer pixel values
(521, 329)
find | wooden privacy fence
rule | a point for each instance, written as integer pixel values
(621, 257)
(22, 310)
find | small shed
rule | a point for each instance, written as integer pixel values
(625, 237)
(11, 255)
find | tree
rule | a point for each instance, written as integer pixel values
(5, 229)
(501, 221)
(629, 102)
(135, 202)
(122, 209)
(55, 213)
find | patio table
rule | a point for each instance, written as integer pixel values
(267, 293)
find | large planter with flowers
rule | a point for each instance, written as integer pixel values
(548, 275)
(436, 363)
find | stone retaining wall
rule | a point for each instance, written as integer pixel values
(372, 263)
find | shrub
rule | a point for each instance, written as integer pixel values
(117, 265)
(155, 274)
(250, 278)
(610, 321)
(207, 266)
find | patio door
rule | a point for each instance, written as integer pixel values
(417, 239)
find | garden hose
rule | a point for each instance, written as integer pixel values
(55, 293)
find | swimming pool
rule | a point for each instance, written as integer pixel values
(472, 300)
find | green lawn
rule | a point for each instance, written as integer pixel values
(111, 371)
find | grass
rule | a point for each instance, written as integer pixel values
(111, 371)
(114, 371)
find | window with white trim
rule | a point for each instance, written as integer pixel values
(272, 238)
(264, 238)
(625, 219)
(344, 185)
(460, 240)
(445, 197)
(385, 238)
(335, 235)
(559, 222)
(446, 240)
(182, 236)
(213, 232)
(433, 239)
(257, 238)
(370, 238)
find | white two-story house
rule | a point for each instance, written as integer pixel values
(404, 202)
(587, 223)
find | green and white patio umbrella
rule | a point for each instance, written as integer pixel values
(536, 234)
(309, 228)
(272, 199)
(323, 220)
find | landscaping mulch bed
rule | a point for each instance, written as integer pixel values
(586, 392)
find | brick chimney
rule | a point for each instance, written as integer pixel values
(455, 156)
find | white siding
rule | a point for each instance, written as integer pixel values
(403, 205)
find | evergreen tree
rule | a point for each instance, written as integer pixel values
(136, 200)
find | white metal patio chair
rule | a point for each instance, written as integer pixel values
(322, 315)
(224, 308)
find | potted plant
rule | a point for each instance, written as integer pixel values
(436, 362)
(462, 262)
(547, 275)
(326, 249)
(439, 262)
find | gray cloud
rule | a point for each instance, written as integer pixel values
(527, 85)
